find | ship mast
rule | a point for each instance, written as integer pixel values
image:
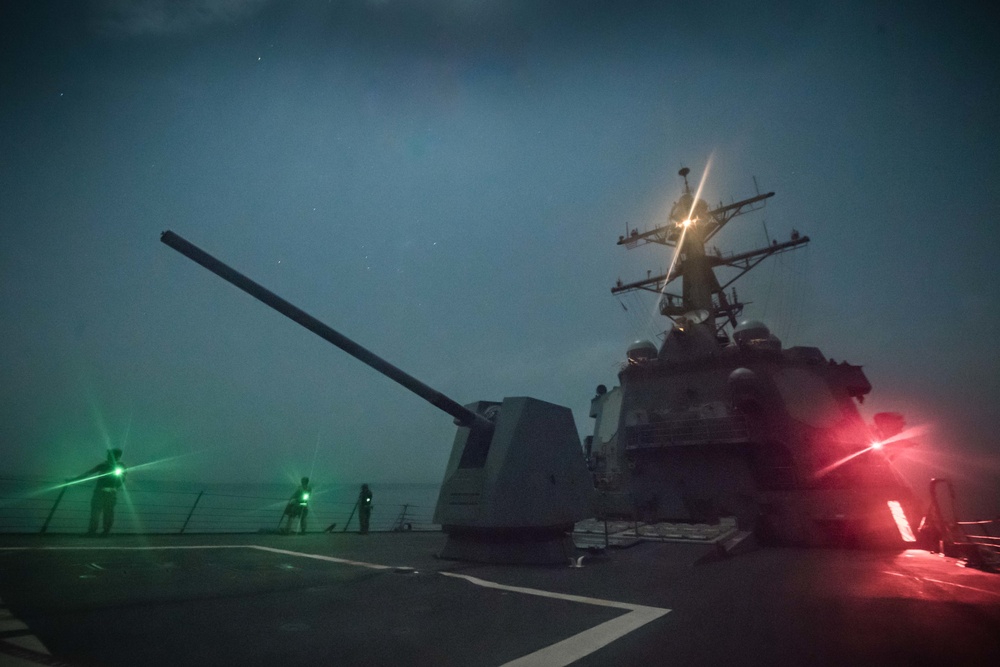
(691, 225)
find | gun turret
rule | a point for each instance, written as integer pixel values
(516, 481)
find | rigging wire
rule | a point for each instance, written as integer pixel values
(797, 297)
(803, 286)
(765, 309)
(629, 313)
(784, 294)
(638, 307)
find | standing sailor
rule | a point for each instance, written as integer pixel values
(364, 507)
(110, 475)
(298, 506)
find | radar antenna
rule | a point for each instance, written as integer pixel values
(692, 225)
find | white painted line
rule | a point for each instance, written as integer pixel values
(332, 559)
(30, 642)
(559, 654)
(971, 588)
(581, 644)
(938, 581)
(547, 594)
(584, 643)
(11, 624)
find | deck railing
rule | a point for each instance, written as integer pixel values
(985, 536)
(55, 508)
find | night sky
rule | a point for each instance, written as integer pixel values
(444, 181)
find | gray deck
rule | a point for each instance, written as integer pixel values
(348, 599)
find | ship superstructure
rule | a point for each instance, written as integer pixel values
(722, 420)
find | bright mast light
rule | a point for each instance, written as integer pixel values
(686, 224)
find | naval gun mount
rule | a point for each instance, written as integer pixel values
(516, 480)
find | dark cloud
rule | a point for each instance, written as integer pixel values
(135, 18)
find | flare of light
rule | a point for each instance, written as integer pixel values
(99, 422)
(165, 459)
(944, 462)
(118, 472)
(901, 522)
(312, 468)
(128, 430)
(907, 434)
(655, 311)
(130, 509)
(701, 186)
(836, 464)
(685, 225)
(912, 432)
(62, 485)
(673, 262)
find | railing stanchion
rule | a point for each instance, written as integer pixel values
(191, 512)
(45, 526)
(353, 510)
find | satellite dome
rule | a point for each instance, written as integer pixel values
(751, 332)
(742, 376)
(641, 350)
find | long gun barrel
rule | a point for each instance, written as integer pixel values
(463, 416)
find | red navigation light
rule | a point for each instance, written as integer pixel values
(901, 523)
(877, 444)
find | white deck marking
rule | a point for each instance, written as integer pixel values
(30, 642)
(332, 559)
(8, 623)
(971, 588)
(938, 581)
(581, 644)
(561, 653)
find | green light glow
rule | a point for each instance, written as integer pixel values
(119, 471)
(305, 496)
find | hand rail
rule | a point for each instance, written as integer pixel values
(34, 506)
